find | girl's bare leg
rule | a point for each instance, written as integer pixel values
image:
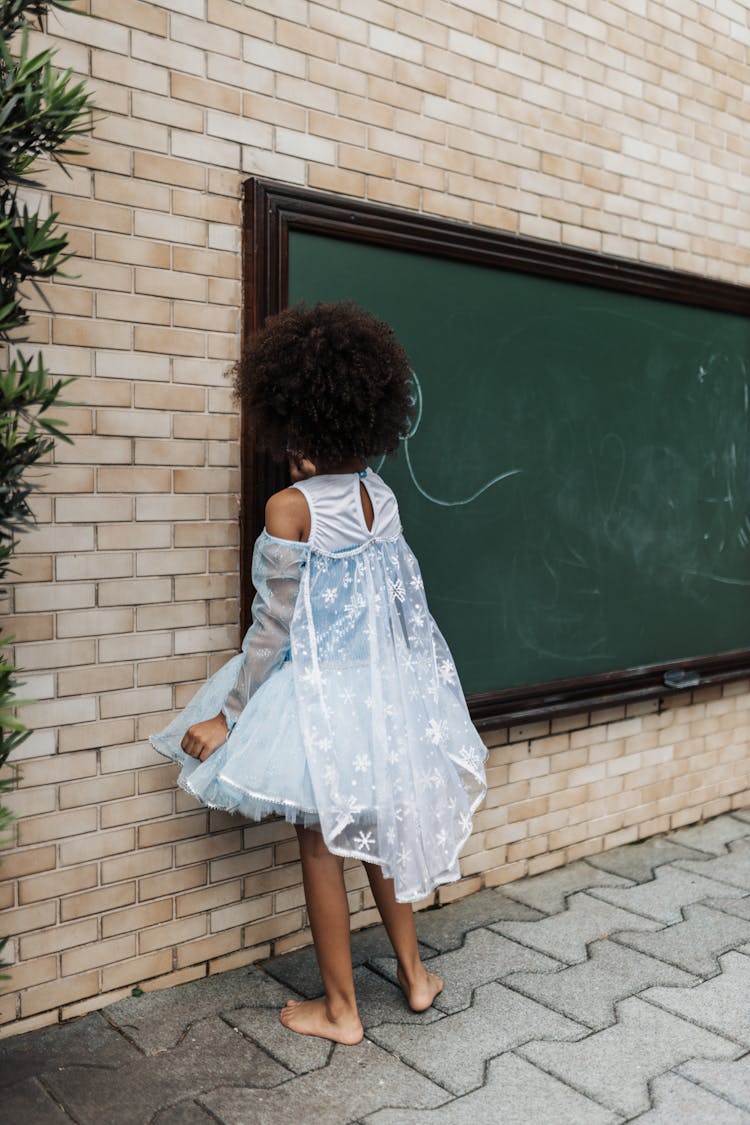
(335, 1015)
(420, 986)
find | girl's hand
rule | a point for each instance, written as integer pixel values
(203, 738)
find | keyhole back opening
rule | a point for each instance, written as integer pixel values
(368, 512)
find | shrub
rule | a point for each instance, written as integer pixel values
(41, 111)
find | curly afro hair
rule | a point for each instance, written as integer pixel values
(331, 381)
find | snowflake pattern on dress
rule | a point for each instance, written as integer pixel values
(376, 673)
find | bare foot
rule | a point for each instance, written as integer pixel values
(310, 1017)
(422, 991)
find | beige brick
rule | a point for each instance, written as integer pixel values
(214, 262)
(100, 733)
(94, 565)
(90, 334)
(120, 479)
(43, 887)
(132, 13)
(119, 536)
(136, 864)
(137, 970)
(54, 654)
(97, 449)
(209, 94)
(206, 480)
(58, 938)
(212, 208)
(170, 284)
(94, 623)
(134, 592)
(172, 671)
(95, 791)
(86, 213)
(173, 561)
(173, 340)
(170, 617)
(114, 365)
(136, 918)
(121, 306)
(211, 427)
(171, 882)
(207, 318)
(168, 452)
(168, 508)
(273, 927)
(190, 146)
(28, 862)
(29, 627)
(85, 509)
(215, 946)
(34, 972)
(31, 570)
(174, 397)
(46, 996)
(139, 701)
(53, 826)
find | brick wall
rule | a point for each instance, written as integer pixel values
(587, 123)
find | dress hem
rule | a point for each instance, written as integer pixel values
(346, 853)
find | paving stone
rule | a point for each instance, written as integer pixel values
(614, 1066)
(713, 835)
(668, 892)
(730, 1080)
(676, 1099)
(357, 1081)
(566, 935)
(742, 814)
(485, 956)
(454, 1049)
(299, 1053)
(443, 928)
(740, 907)
(89, 1040)
(638, 861)
(181, 1113)
(587, 992)
(720, 1004)
(299, 970)
(157, 1020)
(695, 943)
(29, 1103)
(381, 1001)
(210, 1054)
(734, 867)
(515, 1093)
(548, 892)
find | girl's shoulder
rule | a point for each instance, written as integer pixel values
(287, 515)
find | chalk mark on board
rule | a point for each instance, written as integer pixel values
(720, 578)
(436, 499)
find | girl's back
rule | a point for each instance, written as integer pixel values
(339, 509)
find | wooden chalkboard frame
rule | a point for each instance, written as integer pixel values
(272, 210)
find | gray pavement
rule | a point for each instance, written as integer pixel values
(614, 989)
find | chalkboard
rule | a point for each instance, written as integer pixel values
(576, 484)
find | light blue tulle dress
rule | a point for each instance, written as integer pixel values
(346, 710)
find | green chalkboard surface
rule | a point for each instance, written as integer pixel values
(577, 484)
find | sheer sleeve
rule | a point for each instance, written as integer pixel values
(277, 569)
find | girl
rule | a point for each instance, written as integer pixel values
(343, 712)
